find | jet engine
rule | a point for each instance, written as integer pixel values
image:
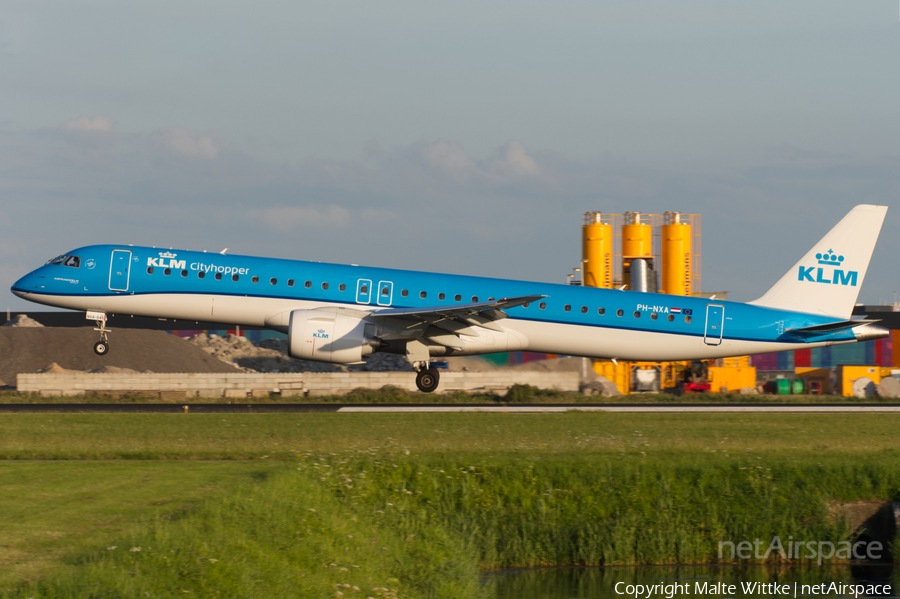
(330, 337)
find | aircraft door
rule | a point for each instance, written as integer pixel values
(385, 293)
(119, 270)
(715, 320)
(364, 291)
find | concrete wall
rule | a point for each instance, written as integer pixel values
(242, 385)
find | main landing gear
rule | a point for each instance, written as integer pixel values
(427, 379)
(101, 348)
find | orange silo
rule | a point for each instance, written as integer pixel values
(677, 254)
(597, 250)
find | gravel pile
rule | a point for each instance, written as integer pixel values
(27, 349)
(271, 355)
(22, 320)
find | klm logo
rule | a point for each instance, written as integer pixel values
(320, 334)
(167, 260)
(823, 274)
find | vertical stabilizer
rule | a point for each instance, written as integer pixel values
(828, 278)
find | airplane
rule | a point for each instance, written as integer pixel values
(342, 313)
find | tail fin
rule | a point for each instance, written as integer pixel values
(828, 278)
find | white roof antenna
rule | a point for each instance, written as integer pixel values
(223, 251)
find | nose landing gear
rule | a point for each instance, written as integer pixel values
(101, 348)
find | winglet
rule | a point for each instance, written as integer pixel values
(828, 278)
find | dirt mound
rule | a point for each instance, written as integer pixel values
(271, 355)
(22, 321)
(31, 349)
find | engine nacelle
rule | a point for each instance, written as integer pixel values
(328, 337)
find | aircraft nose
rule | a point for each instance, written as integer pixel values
(25, 285)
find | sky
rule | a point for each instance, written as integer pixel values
(466, 137)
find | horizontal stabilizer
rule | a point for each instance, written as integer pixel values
(823, 329)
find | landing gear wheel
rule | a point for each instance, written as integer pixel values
(427, 380)
(101, 348)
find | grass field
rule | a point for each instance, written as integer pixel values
(287, 505)
(283, 436)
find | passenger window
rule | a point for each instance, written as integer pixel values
(385, 291)
(167, 271)
(200, 274)
(620, 312)
(457, 297)
(584, 309)
(671, 318)
(342, 287)
(542, 305)
(73, 261)
(524, 305)
(441, 296)
(567, 308)
(364, 289)
(255, 279)
(654, 316)
(601, 311)
(687, 319)
(290, 282)
(404, 293)
(324, 285)
(490, 299)
(218, 276)
(235, 278)
(273, 281)
(307, 284)
(474, 299)
(184, 273)
(149, 270)
(423, 295)
(637, 314)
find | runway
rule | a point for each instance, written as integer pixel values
(287, 408)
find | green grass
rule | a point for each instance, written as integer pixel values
(282, 436)
(55, 511)
(420, 502)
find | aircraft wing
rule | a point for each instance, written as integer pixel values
(445, 324)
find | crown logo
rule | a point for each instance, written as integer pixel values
(321, 331)
(167, 255)
(830, 258)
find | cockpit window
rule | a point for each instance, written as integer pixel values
(66, 260)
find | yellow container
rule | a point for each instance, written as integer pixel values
(847, 375)
(726, 379)
(619, 374)
(597, 250)
(677, 256)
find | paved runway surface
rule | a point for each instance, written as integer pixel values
(209, 408)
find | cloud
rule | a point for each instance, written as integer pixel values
(87, 124)
(512, 162)
(185, 143)
(4, 220)
(286, 218)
